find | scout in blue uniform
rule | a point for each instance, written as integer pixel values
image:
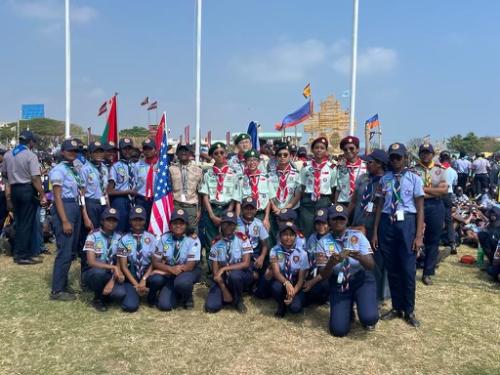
(230, 257)
(110, 152)
(435, 189)
(102, 274)
(176, 265)
(289, 265)
(258, 236)
(285, 216)
(67, 217)
(135, 251)
(318, 179)
(398, 231)
(121, 184)
(349, 268)
(317, 289)
(144, 172)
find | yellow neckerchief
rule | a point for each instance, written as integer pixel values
(427, 174)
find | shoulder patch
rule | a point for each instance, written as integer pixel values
(300, 234)
(217, 238)
(241, 235)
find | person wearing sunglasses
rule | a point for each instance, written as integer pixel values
(398, 231)
(349, 170)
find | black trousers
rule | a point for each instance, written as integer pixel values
(481, 182)
(3, 209)
(462, 180)
(25, 205)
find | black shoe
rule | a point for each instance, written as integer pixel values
(369, 328)
(427, 280)
(280, 313)
(391, 314)
(99, 305)
(411, 320)
(70, 290)
(189, 305)
(453, 250)
(240, 307)
(27, 261)
(62, 296)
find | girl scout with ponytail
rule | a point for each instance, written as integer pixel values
(68, 210)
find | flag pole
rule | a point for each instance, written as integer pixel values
(68, 70)
(198, 78)
(354, 62)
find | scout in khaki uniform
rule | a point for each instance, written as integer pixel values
(219, 190)
(435, 188)
(318, 179)
(243, 144)
(186, 180)
(257, 185)
(349, 170)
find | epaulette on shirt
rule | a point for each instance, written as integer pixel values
(242, 236)
(217, 238)
(300, 234)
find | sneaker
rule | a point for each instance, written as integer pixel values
(412, 320)
(62, 296)
(453, 250)
(391, 314)
(99, 305)
(240, 307)
(427, 280)
(369, 328)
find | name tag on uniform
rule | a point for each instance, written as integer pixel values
(183, 197)
(400, 215)
(369, 207)
(340, 278)
(103, 201)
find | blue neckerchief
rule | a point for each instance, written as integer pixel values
(18, 149)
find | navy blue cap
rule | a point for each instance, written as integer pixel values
(377, 155)
(287, 214)
(182, 148)
(94, 146)
(109, 146)
(70, 145)
(228, 217)
(110, 213)
(27, 135)
(288, 225)
(337, 210)
(426, 147)
(179, 214)
(137, 212)
(397, 149)
(148, 143)
(321, 215)
(126, 142)
(249, 201)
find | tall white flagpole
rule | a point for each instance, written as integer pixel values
(68, 71)
(354, 62)
(198, 78)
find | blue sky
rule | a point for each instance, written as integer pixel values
(427, 67)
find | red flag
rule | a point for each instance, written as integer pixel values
(209, 138)
(145, 101)
(110, 133)
(153, 105)
(159, 130)
(103, 108)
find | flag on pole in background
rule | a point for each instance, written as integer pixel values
(253, 132)
(295, 118)
(153, 105)
(307, 91)
(160, 128)
(373, 122)
(209, 138)
(145, 101)
(228, 138)
(110, 133)
(186, 134)
(103, 108)
(163, 204)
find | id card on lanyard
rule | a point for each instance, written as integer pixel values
(102, 200)
(78, 180)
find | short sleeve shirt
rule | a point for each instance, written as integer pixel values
(230, 250)
(20, 168)
(140, 172)
(342, 183)
(265, 187)
(255, 231)
(327, 178)
(95, 180)
(186, 180)
(431, 177)
(121, 173)
(102, 245)
(70, 182)
(176, 251)
(138, 251)
(290, 261)
(411, 187)
(292, 185)
(230, 188)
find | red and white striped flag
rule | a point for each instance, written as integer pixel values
(103, 108)
(145, 101)
(153, 105)
(163, 204)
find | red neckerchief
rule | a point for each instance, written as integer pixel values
(149, 178)
(352, 167)
(317, 177)
(241, 157)
(253, 179)
(221, 174)
(282, 192)
(445, 165)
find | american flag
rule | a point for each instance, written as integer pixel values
(163, 205)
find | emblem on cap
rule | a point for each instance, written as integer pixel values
(111, 143)
(249, 199)
(289, 223)
(349, 140)
(395, 146)
(320, 212)
(339, 208)
(112, 211)
(180, 212)
(138, 210)
(230, 214)
(426, 145)
(73, 143)
(97, 143)
(284, 210)
(126, 140)
(147, 141)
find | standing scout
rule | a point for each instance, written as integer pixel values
(186, 179)
(318, 179)
(398, 230)
(349, 170)
(237, 161)
(121, 184)
(219, 190)
(144, 172)
(435, 189)
(256, 184)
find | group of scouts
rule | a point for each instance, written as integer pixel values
(300, 232)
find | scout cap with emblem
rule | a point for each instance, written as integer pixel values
(426, 147)
(249, 201)
(377, 155)
(69, 145)
(110, 213)
(337, 210)
(216, 146)
(148, 143)
(228, 217)
(302, 151)
(251, 154)
(95, 146)
(320, 140)
(137, 212)
(179, 215)
(109, 146)
(285, 226)
(287, 214)
(321, 215)
(282, 146)
(125, 142)
(349, 139)
(27, 136)
(240, 138)
(182, 148)
(397, 149)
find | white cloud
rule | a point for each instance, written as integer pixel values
(374, 60)
(52, 10)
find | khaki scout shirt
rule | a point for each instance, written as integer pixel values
(186, 180)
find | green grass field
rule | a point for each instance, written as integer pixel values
(460, 333)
